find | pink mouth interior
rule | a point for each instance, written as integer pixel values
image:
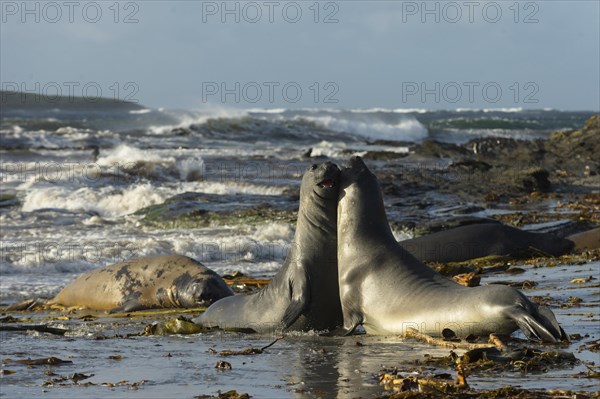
(327, 183)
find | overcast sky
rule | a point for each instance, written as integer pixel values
(338, 54)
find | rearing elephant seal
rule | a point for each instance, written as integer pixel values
(303, 295)
(386, 289)
(167, 281)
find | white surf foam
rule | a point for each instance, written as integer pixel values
(266, 110)
(134, 161)
(231, 187)
(140, 111)
(200, 116)
(329, 149)
(390, 111)
(127, 155)
(105, 201)
(191, 168)
(486, 110)
(274, 231)
(408, 129)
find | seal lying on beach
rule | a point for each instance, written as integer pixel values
(586, 240)
(484, 239)
(167, 281)
(304, 294)
(386, 289)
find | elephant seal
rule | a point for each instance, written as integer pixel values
(303, 295)
(483, 239)
(166, 281)
(589, 239)
(386, 289)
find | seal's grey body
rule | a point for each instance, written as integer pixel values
(386, 289)
(167, 281)
(586, 240)
(483, 239)
(303, 295)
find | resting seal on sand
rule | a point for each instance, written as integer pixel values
(167, 281)
(304, 294)
(586, 240)
(386, 289)
(484, 239)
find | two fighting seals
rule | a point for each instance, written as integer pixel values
(386, 289)
(379, 284)
(303, 295)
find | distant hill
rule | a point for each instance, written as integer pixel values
(17, 101)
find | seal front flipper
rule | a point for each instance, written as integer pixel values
(300, 298)
(541, 326)
(28, 304)
(352, 319)
(129, 305)
(340, 331)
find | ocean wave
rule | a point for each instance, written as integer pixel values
(107, 202)
(509, 110)
(464, 135)
(140, 111)
(132, 160)
(407, 129)
(232, 249)
(486, 124)
(192, 168)
(487, 110)
(266, 110)
(152, 164)
(232, 187)
(389, 110)
(303, 124)
(59, 256)
(186, 119)
(54, 137)
(112, 202)
(328, 149)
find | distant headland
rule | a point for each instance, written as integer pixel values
(14, 101)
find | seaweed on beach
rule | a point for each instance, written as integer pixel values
(436, 389)
(430, 382)
(225, 395)
(245, 352)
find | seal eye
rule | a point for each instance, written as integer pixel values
(314, 166)
(327, 183)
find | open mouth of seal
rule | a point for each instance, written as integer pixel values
(327, 183)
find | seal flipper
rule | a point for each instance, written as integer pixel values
(28, 304)
(541, 326)
(130, 305)
(292, 312)
(352, 319)
(300, 298)
(547, 314)
(340, 331)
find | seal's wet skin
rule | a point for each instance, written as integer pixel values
(303, 295)
(484, 239)
(166, 281)
(387, 290)
(586, 240)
